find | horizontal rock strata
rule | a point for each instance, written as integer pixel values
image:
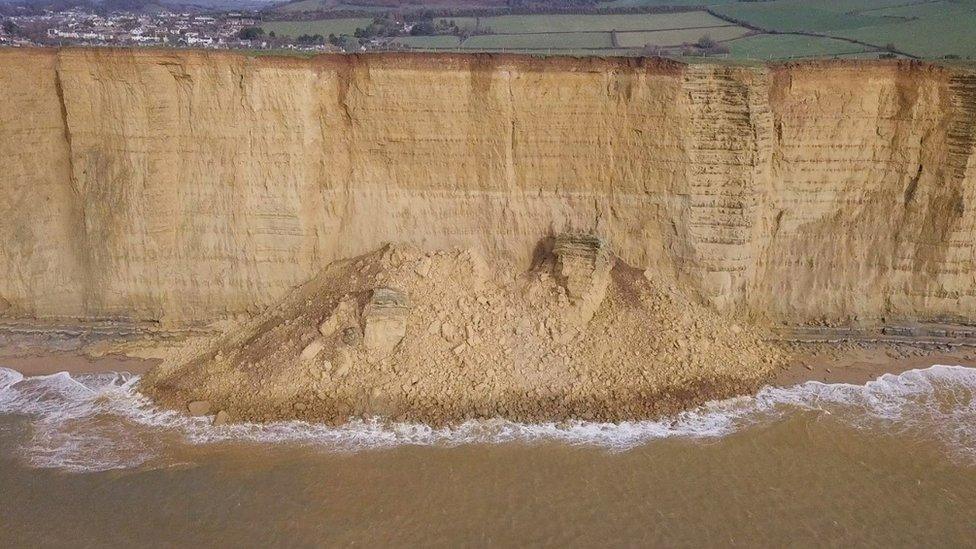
(182, 186)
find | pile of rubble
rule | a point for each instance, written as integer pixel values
(440, 337)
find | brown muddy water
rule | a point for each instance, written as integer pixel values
(86, 461)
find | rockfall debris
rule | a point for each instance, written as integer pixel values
(441, 336)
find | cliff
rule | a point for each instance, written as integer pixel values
(184, 186)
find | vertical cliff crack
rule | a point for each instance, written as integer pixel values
(242, 87)
(59, 88)
(511, 167)
(83, 249)
(912, 186)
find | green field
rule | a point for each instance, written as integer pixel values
(920, 28)
(929, 30)
(786, 16)
(787, 46)
(677, 37)
(518, 24)
(540, 41)
(323, 26)
(784, 29)
(429, 42)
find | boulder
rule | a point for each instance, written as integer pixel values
(198, 408)
(583, 264)
(222, 418)
(385, 318)
(312, 350)
(351, 335)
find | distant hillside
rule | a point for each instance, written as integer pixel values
(381, 5)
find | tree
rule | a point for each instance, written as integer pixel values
(348, 43)
(250, 33)
(10, 27)
(311, 39)
(706, 42)
(423, 28)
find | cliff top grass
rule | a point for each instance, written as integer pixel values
(771, 30)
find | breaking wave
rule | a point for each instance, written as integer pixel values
(100, 422)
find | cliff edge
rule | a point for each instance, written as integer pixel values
(183, 186)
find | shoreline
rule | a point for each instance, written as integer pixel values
(860, 364)
(848, 363)
(854, 359)
(75, 363)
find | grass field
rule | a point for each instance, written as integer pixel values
(518, 24)
(540, 41)
(795, 15)
(788, 46)
(564, 33)
(916, 28)
(920, 28)
(323, 27)
(429, 42)
(929, 30)
(677, 37)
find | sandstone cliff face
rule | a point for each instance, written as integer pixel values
(184, 186)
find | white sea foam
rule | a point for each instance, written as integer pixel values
(98, 422)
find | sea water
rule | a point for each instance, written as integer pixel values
(86, 460)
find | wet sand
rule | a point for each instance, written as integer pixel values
(857, 365)
(39, 364)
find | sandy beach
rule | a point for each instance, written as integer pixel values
(46, 363)
(858, 365)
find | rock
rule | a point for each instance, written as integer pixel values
(328, 326)
(345, 364)
(300, 406)
(351, 335)
(583, 264)
(423, 267)
(311, 350)
(222, 418)
(198, 408)
(385, 317)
